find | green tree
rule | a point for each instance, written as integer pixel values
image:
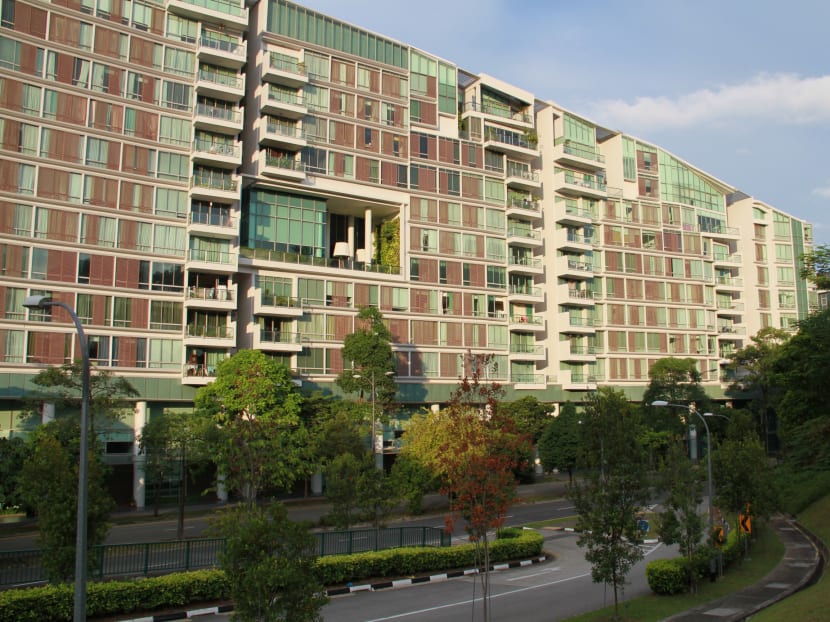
(49, 485)
(742, 471)
(816, 266)
(258, 441)
(680, 522)
(530, 416)
(412, 480)
(559, 445)
(109, 395)
(674, 380)
(342, 475)
(269, 562)
(368, 359)
(613, 490)
(12, 457)
(754, 367)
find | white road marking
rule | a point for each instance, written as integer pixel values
(536, 574)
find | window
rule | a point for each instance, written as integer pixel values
(165, 353)
(97, 151)
(165, 315)
(167, 277)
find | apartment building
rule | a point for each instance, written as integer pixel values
(196, 177)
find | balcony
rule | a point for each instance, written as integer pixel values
(526, 323)
(568, 212)
(569, 240)
(727, 260)
(218, 298)
(277, 306)
(577, 184)
(578, 353)
(219, 12)
(217, 154)
(524, 207)
(289, 136)
(286, 104)
(198, 374)
(578, 325)
(511, 143)
(283, 167)
(213, 222)
(574, 154)
(525, 265)
(522, 178)
(277, 341)
(220, 119)
(727, 309)
(728, 233)
(529, 381)
(574, 269)
(217, 262)
(728, 283)
(577, 297)
(283, 69)
(213, 186)
(523, 236)
(527, 352)
(220, 85)
(223, 53)
(210, 336)
(730, 331)
(526, 293)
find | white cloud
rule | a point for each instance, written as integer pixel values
(822, 192)
(784, 98)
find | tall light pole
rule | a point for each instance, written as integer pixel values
(44, 302)
(710, 486)
(375, 454)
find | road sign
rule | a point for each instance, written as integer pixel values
(746, 523)
(718, 536)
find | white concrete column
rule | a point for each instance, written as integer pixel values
(139, 483)
(368, 234)
(47, 412)
(317, 484)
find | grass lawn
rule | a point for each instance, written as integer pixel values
(813, 603)
(765, 553)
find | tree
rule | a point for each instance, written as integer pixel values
(109, 395)
(742, 471)
(258, 441)
(559, 445)
(675, 380)
(613, 491)
(367, 353)
(12, 457)
(269, 562)
(816, 266)
(172, 444)
(530, 416)
(412, 480)
(474, 448)
(679, 522)
(754, 367)
(342, 474)
(49, 485)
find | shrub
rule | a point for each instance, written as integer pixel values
(668, 576)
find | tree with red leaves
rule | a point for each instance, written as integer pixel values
(475, 450)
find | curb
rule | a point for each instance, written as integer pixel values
(350, 589)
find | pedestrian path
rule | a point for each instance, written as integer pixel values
(801, 565)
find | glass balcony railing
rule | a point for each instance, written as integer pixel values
(231, 81)
(232, 115)
(210, 332)
(278, 336)
(220, 294)
(272, 300)
(220, 45)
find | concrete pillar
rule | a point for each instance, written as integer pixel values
(47, 412)
(368, 234)
(139, 483)
(317, 484)
(221, 489)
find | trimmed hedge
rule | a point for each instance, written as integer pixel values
(54, 602)
(662, 574)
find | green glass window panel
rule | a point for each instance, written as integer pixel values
(579, 131)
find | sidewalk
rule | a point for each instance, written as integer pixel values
(801, 565)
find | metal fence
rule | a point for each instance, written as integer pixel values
(155, 558)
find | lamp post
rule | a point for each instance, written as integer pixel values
(44, 302)
(375, 454)
(710, 491)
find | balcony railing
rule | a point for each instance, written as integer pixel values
(527, 378)
(272, 300)
(527, 348)
(280, 62)
(229, 150)
(323, 262)
(580, 151)
(211, 256)
(284, 162)
(580, 294)
(233, 115)
(221, 45)
(210, 332)
(526, 319)
(216, 182)
(220, 294)
(282, 129)
(530, 262)
(278, 336)
(524, 290)
(519, 232)
(231, 81)
(582, 266)
(585, 181)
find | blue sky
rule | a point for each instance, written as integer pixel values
(738, 88)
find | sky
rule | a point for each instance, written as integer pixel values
(737, 88)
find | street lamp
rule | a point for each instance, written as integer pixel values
(378, 462)
(44, 302)
(693, 410)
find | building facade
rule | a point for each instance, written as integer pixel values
(196, 177)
